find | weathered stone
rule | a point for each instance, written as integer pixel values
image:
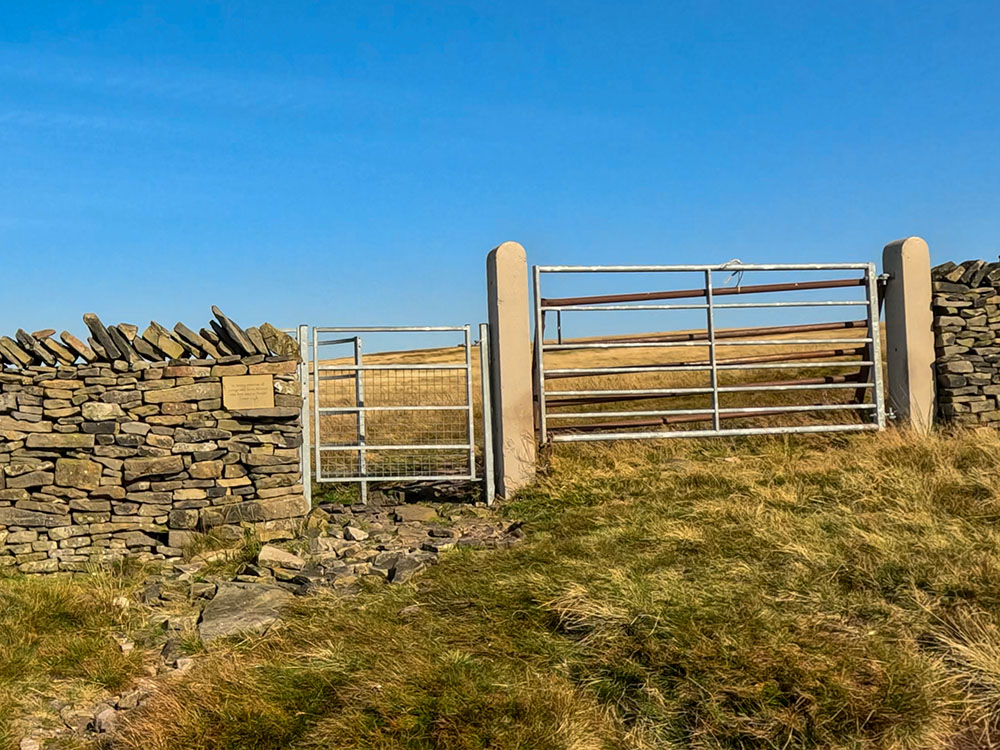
(201, 435)
(31, 479)
(30, 518)
(279, 342)
(99, 411)
(17, 468)
(241, 608)
(112, 492)
(11, 424)
(78, 347)
(192, 392)
(405, 568)
(32, 345)
(414, 513)
(160, 441)
(275, 557)
(13, 352)
(206, 469)
(195, 341)
(137, 539)
(61, 533)
(79, 473)
(234, 333)
(101, 334)
(90, 505)
(59, 440)
(956, 367)
(180, 539)
(183, 519)
(128, 353)
(161, 338)
(275, 412)
(145, 467)
(255, 510)
(105, 720)
(61, 353)
(257, 339)
(222, 371)
(42, 565)
(286, 367)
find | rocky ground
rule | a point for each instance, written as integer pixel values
(240, 590)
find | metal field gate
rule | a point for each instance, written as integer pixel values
(799, 355)
(397, 416)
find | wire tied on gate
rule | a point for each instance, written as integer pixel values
(738, 275)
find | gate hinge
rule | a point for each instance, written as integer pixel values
(890, 414)
(883, 278)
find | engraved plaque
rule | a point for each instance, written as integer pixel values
(248, 392)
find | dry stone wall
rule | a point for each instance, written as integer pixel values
(122, 455)
(966, 303)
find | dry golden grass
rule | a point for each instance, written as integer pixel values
(804, 592)
(56, 638)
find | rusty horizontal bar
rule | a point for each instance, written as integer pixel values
(790, 286)
(685, 418)
(700, 344)
(583, 437)
(760, 359)
(740, 410)
(732, 333)
(555, 400)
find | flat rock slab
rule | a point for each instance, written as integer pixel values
(415, 513)
(275, 557)
(241, 608)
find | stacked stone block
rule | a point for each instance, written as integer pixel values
(966, 303)
(99, 461)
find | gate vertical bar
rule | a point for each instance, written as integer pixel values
(471, 422)
(359, 396)
(710, 330)
(539, 355)
(489, 471)
(559, 325)
(316, 404)
(876, 343)
(303, 340)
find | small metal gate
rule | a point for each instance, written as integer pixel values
(406, 415)
(600, 400)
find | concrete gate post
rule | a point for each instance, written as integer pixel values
(510, 367)
(909, 332)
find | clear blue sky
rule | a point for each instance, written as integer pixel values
(344, 162)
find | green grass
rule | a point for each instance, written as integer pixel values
(56, 640)
(839, 592)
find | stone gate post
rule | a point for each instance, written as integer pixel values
(510, 367)
(908, 331)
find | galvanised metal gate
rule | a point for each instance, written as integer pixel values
(595, 388)
(405, 415)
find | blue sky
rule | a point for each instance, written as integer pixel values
(340, 163)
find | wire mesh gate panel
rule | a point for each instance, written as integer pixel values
(392, 416)
(721, 375)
